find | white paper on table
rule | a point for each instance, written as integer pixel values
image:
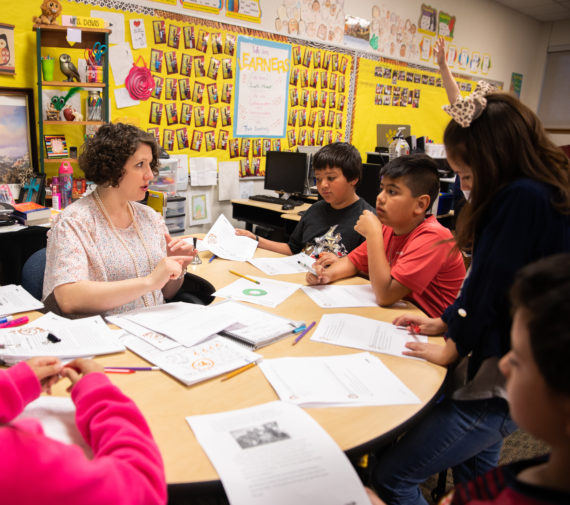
(15, 299)
(229, 180)
(277, 453)
(89, 336)
(222, 241)
(115, 22)
(187, 323)
(193, 364)
(350, 380)
(121, 62)
(284, 265)
(364, 333)
(123, 99)
(56, 414)
(268, 292)
(154, 338)
(203, 171)
(329, 296)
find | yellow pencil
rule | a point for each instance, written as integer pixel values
(244, 276)
(238, 371)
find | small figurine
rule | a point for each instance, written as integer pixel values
(51, 9)
(52, 114)
(68, 68)
(70, 113)
(57, 104)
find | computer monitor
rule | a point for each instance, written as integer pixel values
(285, 171)
(369, 184)
(310, 151)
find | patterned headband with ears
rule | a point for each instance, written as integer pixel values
(466, 110)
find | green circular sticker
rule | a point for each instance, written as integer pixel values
(254, 292)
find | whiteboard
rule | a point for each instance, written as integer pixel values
(262, 81)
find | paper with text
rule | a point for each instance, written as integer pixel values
(284, 265)
(364, 333)
(277, 453)
(222, 241)
(14, 299)
(350, 380)
(203, 171)
(193, 364)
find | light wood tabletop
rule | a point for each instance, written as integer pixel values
(166, 402)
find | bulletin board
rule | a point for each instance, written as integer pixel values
(195, 66)
(394, 92)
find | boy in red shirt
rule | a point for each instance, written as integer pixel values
(407, 253)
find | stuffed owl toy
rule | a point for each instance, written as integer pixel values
(68, 68)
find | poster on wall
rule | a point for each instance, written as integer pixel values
(392, 34)
(446, 26)
(428, 20)
(356, 31)
(212, 6)
(7, 50)
(248, 10)
(262, 81)
(516, 84)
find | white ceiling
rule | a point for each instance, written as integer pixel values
(542, 10)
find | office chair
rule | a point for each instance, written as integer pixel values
(33, 273)
(194, 289)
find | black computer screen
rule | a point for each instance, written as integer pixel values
(285, 171)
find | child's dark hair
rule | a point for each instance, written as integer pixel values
(341, 155)
(103, 157)
(419, 173)
(505, 143)
(542, 291)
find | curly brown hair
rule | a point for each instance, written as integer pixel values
(505, 143)
(104, 156)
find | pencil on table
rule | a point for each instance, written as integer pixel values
(238, 371)
(244, 276)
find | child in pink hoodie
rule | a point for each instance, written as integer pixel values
(126, 467)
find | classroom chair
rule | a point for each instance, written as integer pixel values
(195, 289)
(33, 273)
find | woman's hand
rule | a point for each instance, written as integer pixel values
(47, 371)
(179, 247)
(428, 325)
(439, 354)
(170, 267)
(245, 233)
(368, 224)
(79, 368)
(439, 52)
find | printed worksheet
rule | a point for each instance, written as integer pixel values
(298, 263)
(277, 453)
(332, 296)
(222, 241)
(14, 299)
(52, 335)
(350, 380)
(268, 292)
(154, 338)
(364, 333)
(193, 364)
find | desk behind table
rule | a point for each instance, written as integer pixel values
(15, 248)
(166, 402)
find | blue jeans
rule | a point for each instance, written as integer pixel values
(464, 435)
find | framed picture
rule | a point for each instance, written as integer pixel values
(7, 50)
(56, 146)
(32, 191)
(18, 146)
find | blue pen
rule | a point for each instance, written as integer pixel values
(6, 319)
(304, 332)
(299, 329)
(212, 258)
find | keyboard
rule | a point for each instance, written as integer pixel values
(274, 199)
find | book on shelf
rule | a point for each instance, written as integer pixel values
(56, 146)
(31, 213)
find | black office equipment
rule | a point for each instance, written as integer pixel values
(369, 185)
(275, 199)
(376, 158)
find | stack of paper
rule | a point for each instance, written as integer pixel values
(15, 299)
(351, 380)
(277, 453)
(193, 364)
(51, 335)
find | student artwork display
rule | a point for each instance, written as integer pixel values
(214, 88)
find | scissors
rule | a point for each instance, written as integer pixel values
(95, 55)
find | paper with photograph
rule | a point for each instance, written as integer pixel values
(277, 453)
